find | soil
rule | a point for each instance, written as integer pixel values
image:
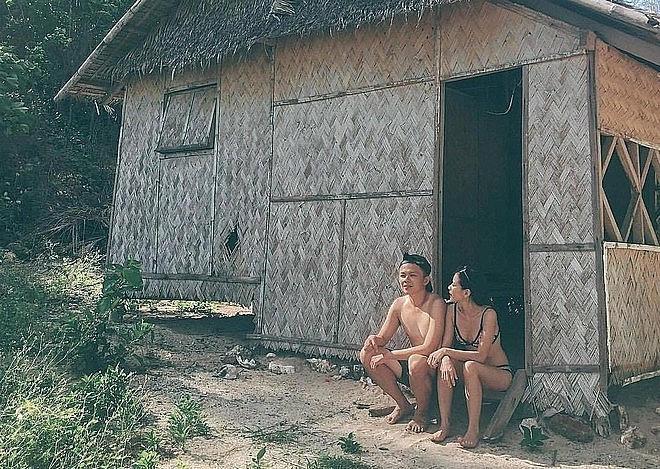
(306, 412)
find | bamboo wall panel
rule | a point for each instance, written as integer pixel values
(184, 79)
(185, 215)
(559, 184)
(574, 393)
(302, 269)
(628, 96)
(330, 146)
(133, 233)
(632, 297)
(564, 308)
(372, 55)
(378, 231)
(480, 36)
(243, 185)
(199, 290)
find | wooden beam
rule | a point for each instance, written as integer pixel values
(510, 400)
(609, 222)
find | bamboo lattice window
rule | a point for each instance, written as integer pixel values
(630, 191)
(188, 120)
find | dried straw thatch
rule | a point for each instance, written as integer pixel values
(186, 39)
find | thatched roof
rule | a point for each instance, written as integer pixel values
(158, 35)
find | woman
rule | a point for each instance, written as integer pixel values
(471, 352)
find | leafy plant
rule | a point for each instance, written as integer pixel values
(119, 280)
(533, 437)
(258, 460)
(186, 421)
(349, 444)
(146, 460)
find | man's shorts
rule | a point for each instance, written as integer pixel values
(405, 373)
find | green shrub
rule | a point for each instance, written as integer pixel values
(186, 421)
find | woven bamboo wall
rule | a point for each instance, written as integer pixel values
(564, 312)
(573, 393)
(371, 142)
(185, 214)
(373, 240)
(632, 295)
(560, 170)
(564, 308)
(133, 231)
(372, 55)
(352, 171)
(243, 185)
(628, 96)
(479, 36)
(302, 270)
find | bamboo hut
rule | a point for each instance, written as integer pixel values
(284, 153)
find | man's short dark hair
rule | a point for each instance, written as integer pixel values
(418, 261)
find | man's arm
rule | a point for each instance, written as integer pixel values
(387, 330)
(432, 339)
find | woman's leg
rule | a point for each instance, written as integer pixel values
(478, 377)
(445, 396)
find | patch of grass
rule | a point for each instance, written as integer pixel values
(280, 433)
(337, 462)
(258, 461)
(48, 421)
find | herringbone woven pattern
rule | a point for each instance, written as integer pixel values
(374, 142)
(573, 393)
(302, 270)
(559, 181)
(242, 186)
(134, 222)
(372, 55)
(564, 314)
(378, 231)
(480, 36)
(628, 96)
(201, 290)
(185, 215)
(632, 292)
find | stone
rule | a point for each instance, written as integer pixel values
(570, 428)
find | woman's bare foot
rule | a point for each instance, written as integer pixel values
(469, 440)
(417, 425)
(440, 435)
(397, 414)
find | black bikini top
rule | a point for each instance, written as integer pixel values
(460, 342)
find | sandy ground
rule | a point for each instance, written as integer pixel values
(314, 409)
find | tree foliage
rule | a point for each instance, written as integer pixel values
(58, 159)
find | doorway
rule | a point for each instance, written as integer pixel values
(482, 194)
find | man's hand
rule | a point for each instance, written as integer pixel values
(379, 358)
(371, 343)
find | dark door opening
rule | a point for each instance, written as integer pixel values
(482, 194)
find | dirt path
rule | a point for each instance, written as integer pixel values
(313, 410)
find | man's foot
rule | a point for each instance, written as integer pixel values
(416, 425)
(397, 414)
(469, 440)
(440, 435)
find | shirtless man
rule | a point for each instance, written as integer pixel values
(421, 314)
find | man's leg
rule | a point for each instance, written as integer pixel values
(385, 376)
(421, 384)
